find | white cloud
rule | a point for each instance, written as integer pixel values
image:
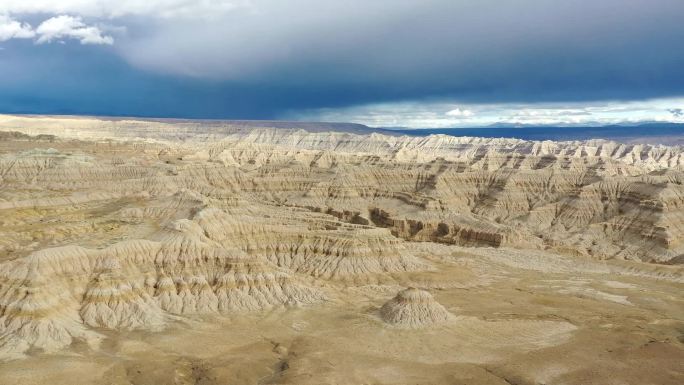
(119, 8)
(443, 115)
(67, 21)
(63, 27)
(12, 29)
(459, 113)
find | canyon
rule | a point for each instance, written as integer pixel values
(140, 251)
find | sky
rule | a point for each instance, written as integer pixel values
(387, 63)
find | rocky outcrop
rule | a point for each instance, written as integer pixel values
(123, 224)
(414, 308)
(49, 297)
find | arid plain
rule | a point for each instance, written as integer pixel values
(179, 252)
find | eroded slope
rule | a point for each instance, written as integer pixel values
(133, 227)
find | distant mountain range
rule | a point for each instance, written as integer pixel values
(651, 132)
(586, 125)
(664, 133)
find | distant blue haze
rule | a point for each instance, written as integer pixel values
(662, 133)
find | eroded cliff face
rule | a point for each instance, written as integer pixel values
(130, 225)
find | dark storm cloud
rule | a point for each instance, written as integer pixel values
(260, 60)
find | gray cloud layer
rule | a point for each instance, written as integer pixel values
(310, 53)
(480, 49)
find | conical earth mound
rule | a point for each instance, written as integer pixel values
(414, 308)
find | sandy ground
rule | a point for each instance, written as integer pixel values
(513, 325)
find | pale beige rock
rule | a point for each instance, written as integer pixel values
(290, 238)
(414, 308)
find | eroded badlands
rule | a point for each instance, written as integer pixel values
(162, 252)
